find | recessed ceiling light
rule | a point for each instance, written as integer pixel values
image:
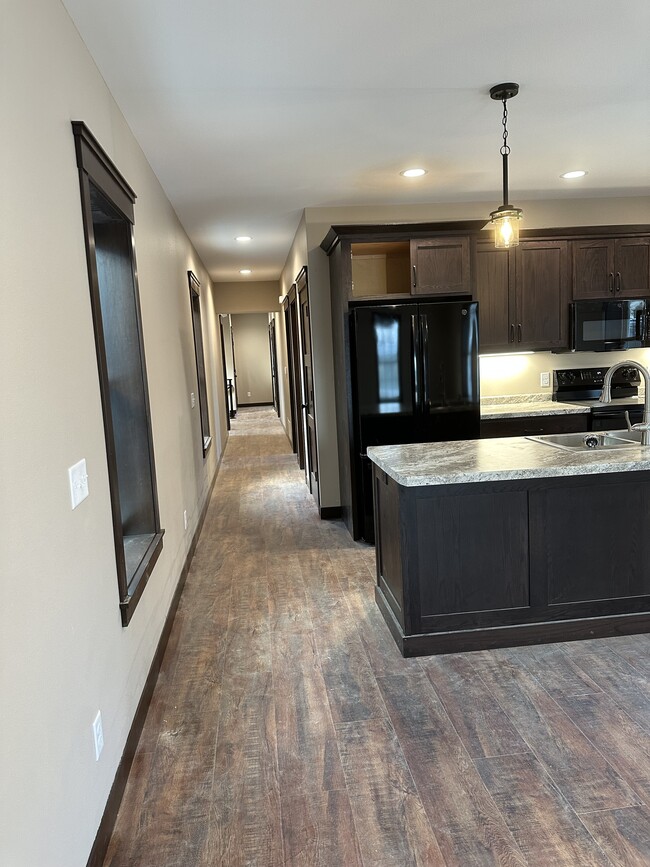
(245, 271)
(413, 173)
(243, 239)
(578, 173)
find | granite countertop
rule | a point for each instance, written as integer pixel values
(498, 460)
(523, 405)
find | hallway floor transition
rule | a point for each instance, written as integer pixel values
(286, 729)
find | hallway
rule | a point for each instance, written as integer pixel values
(286, 728)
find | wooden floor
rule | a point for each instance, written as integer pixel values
(286, 728)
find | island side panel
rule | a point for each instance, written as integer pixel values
(390, 578)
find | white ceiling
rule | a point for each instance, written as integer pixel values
(251, 110)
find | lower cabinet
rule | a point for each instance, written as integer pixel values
(533, 425)
(479, 565)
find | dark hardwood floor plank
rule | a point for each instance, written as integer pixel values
(385, 802)
(613, 732)
(546, 828)
(245, 817)
(308, 755)
(623, 835)
(556, 671)
(319, 830)
(627, 685)
(581, 772)
(466, 821)
(482, 725)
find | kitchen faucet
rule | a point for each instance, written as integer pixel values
(606, 397)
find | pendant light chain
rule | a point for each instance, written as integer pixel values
(505, 147)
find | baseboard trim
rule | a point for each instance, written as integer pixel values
(330, 513)
(109, 817)
(264, 403)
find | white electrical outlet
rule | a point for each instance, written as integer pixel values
(192, 400)
(78, 478)
(98, 735)
(185, 518)
(545, 379)
(248, 393)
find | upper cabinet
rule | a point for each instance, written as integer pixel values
(611, 267)
(441, 266)
(403, 259)
(522, 295)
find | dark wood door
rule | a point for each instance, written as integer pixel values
(309, 421)
(226, 390)
(296, 406)
(274, 367)
(592, 268)
(494, 286)
(441, 266)
(632, 264)
(541, 282)
(292, 385)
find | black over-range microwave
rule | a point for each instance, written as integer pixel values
(602, 326)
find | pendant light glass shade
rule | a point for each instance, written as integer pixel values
(506, 217)
(506, 226)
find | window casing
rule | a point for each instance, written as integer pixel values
(195, 305)
(108, 216)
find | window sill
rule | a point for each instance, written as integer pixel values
(140, 577)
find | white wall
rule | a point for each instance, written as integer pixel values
(252, 357)
(63, 651)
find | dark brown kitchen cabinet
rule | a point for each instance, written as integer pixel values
(441, 266)
(522, 295)
(611, 267)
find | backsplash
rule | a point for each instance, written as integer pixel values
(520, 374)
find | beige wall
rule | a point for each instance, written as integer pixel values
(247, 297)
(252, 357)
(507, 377)
(63, 652)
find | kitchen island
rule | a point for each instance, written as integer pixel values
(500, 542)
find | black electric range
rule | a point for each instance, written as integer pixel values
(583, 386)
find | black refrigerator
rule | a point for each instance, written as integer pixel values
(414, 379)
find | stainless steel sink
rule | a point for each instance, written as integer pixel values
(591, 442)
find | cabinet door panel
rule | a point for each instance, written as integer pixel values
(441, 266)
(632, 276)
(473, 552)
(541, 281)
(583, 549)
(496, 326)
(593, 268)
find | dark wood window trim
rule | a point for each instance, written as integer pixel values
(195, 307)
(98, 172)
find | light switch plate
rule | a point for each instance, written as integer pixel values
(192, 400)
(78, 478)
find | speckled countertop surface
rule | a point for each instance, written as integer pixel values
(498, 460)
(522, 405)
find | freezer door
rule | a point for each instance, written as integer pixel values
(386, 381)
(450, 382)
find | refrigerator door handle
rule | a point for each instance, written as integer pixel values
(425, 366)
(416, 359)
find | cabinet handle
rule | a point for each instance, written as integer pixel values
(519, 333)
(610, 282)
(415, 277)
(512, 333)
(617, 282)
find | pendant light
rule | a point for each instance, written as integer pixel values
(506, 218)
